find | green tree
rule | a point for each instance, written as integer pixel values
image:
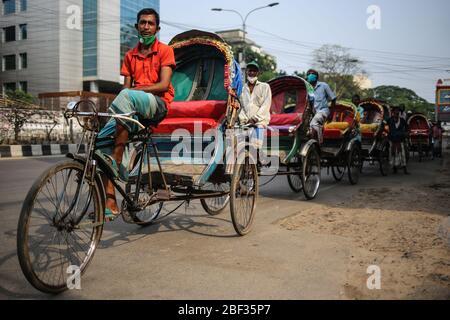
(267, 64)
(17, 108)
(20, 96)
(396, 96)
(301, 74)
(338, 68)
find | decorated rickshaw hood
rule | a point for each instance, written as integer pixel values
(418, 115)
(349, 105)
(283, 83)
(381, 105)
(233, 81)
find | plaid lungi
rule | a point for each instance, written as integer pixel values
(145, 104)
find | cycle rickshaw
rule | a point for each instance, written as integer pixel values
(287, 135)
(420, 135)
(341, 148)
(374, 133)
(62, 217)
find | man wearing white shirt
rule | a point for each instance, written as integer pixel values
(256, 99)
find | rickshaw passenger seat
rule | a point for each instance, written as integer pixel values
(193, 115)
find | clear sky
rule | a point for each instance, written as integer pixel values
(412, 48)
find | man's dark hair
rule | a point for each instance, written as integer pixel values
(148, 11)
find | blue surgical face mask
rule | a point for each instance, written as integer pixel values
(312, 78)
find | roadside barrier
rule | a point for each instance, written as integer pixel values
(18, 151)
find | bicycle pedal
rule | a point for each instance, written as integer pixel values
(164, 194)
(127, 218)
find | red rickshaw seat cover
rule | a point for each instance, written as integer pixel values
(333, 134)
(193, 115)
(287, 119)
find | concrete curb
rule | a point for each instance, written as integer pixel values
(17, 151)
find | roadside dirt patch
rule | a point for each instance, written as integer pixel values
(404, 231)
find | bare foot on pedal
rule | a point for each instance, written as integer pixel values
(112, 211)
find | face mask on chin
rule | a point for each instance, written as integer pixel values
(147, 41)
(252, 80)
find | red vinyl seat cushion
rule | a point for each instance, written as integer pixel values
(288, 119)
(194, 116)
(333, 134)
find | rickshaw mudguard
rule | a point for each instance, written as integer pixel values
(355, 140)
(215, 161)
(305, 149)
(295, 147)
(98, 179)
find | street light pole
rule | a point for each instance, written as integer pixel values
(244, 24)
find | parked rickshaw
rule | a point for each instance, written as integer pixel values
(62, 218)
(420, 135)
(341, 148)
(287, 135)
(374, 133)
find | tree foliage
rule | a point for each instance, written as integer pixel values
(396, 96)
(267, 64)
(20, 96)
(17, 108)
(338, 68)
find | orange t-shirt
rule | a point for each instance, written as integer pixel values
(145, 71)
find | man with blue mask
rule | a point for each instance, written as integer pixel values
(322, 95)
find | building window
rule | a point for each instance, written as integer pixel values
(90, 41)
(23, 85)
(23, 32)
(23, 60)
(9, 33)
(9, 62)
(23, 5)
(9, 86)
(9, 6)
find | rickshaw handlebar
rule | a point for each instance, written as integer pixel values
(126, 116)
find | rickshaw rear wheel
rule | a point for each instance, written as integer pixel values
(384, 160)
(420, 153)
(338, 173)
(407, 151)
(243, 195)
(354, 165)
(311, 174)
(149, 214)
(295, 180)
(215, 206)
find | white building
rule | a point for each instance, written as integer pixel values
(235, 38)
(66, 45)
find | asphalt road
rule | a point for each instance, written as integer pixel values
(193, 256)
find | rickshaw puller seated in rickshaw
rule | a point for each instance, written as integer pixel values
(256, 99)
(322, 95)
(148, 91)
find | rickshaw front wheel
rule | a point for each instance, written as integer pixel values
(243, 195)
(60, 226)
